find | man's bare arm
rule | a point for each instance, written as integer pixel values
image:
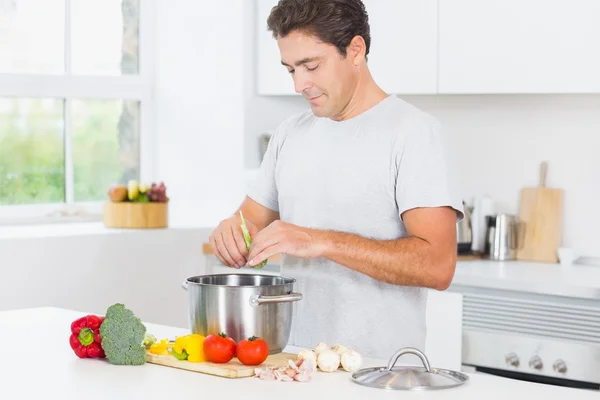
(256, 213)
(426, 258)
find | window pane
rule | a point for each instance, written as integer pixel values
(32, 155)
(106, 146)
(104, 39)
(32, 36)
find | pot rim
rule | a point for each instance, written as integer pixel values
(291, 280)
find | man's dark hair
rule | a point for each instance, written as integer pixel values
(332, 21)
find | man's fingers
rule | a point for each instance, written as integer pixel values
(263, 255)
(263, 240)
(223, 250)
(232, 247)
(240, 242)
(215, 249)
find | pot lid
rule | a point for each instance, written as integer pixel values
(409, 377)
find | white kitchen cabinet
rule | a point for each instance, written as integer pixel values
(519, 46)
(272, 78)
(403, 54)
(402, 58)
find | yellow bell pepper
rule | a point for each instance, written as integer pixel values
(189, 347)
(160, 348)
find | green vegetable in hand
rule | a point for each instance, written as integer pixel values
(248, 239)
(123, 336)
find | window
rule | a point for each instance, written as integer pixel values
(75, 104)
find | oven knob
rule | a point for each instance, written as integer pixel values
(560, 366)
(536, 363)
(512, 359)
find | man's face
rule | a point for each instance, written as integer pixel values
(320, 73)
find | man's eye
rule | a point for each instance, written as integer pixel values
(291, 71)
(312, 69)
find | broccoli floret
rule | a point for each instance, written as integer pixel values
(149, 340)
(122, 336)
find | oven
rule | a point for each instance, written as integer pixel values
(538, 338)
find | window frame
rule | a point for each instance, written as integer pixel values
(67, 88)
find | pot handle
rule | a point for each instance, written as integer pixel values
(257, 299)
(184, 285)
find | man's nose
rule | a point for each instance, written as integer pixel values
(301, 83)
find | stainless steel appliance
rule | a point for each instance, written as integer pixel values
(241, 306)
(502, 237)
(539, 338)
(464, 231)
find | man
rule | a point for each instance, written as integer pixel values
(355, 193)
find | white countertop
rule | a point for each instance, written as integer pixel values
(543, 278)
(36, 361)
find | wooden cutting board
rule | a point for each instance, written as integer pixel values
(541, 211)
(232, 369)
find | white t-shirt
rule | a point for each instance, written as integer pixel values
(356, 176)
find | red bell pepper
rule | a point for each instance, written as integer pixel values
(85, 337)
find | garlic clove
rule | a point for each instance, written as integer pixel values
(308, 367)
(328, 361)
(267, 375)
(351, 361)
(293, 365)
(302, 378)
(307, 354)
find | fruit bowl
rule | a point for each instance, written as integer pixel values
(136, 206)
(135, 215)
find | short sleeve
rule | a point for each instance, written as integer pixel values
(425, 177)
(264, 189)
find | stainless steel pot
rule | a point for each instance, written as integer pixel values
(241, 306)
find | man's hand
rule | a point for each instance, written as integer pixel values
(285, 238)
(227, 240)
(228, 243)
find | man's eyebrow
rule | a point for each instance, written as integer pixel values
(300, 62)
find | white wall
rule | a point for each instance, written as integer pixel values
(142, 269)
(200, 107)
(497, 143)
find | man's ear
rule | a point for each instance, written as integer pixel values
(357, 50)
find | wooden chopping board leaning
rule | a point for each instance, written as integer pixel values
(541, 212)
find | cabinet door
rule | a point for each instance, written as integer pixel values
(519, 46)
(272, 78)
(403, 54)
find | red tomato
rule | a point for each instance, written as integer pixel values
(252, 351)
(219, 348)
